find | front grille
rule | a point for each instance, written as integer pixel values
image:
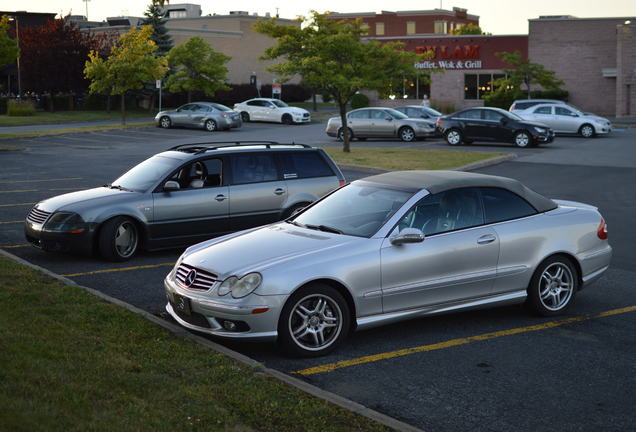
(38, 216)
(203, 280)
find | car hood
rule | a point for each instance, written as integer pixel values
(75, 200)
(534, 123)
(249, 251)
(295, 110)
(168, 112)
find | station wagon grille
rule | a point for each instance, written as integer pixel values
(200, 280)
(38, 216)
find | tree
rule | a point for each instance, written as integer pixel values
(333, 56)
(527, 73)
(468, 29)
(196, 66)
(9, 50)
(54, 53)
(156, 17)
(132, 63)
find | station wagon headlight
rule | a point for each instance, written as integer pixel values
(539, 129)
(65, 222)
(240, 287)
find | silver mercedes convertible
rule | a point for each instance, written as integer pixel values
(386, 248)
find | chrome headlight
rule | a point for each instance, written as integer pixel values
(65, 222)
(240, 287)
(540, 129)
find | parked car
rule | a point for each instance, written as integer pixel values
(386, 248)
(207, 115)
(271, 110)
(419, 112)
(492, 124)
(380, 123)
(523, 104)
(185, 195)
(567, 120)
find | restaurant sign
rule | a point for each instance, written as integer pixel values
(445, 57)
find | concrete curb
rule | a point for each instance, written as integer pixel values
(471, 166)
(182, 332)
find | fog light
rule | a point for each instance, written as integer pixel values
(229, 325)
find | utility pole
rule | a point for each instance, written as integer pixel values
(86, 1)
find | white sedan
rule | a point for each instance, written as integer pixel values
(271, 110)
(565, 119)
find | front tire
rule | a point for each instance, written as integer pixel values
(165, 122)
(287, 119)
(245, 117)
(454, 137)
(118, 239)
(210, 125)
(314, 321)
(407, 134)
(553, 286)
(523, 139)
(587, 131)
(340, 136)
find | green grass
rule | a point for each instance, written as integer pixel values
(72, 362)
(45, 117)
(407, 159)
(74, 130)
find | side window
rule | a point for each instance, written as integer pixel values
(470, 114)
(445, 211)
(418, 113)
(304, 165)
(200, 174)
(543, 110)
(501, 205)
(379, 114)
(362, 114)
(253, 103)
(564, 112)
(188, 107)
(214, 168)
(253, 168)
(492, 115)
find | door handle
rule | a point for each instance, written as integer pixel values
(220, 197)
(485, 239)
(279, 191)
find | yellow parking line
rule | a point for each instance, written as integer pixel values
(16, 204)
(15, 246)
(20, 190)
(119, 269)
(45, 180)
(455, 342)
(11, 222)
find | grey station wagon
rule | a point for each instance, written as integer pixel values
(185, 195)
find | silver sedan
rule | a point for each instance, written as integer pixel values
(380, 122)
(565, 119)
(206, 115)
(386, 248)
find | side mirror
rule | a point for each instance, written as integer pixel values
(408, 235)
(503, 120)
(389, 119)
(171, 185)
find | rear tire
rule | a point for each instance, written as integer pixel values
(340, 136)
(291, 211)
(118, 239)
(406, 134)
(245, 117)
(454, 137)
(553, 286)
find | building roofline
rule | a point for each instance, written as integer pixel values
(441, 36)
(235, 17)
(401, 13)
(573, 18)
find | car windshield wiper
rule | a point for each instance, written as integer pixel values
(111, 186)
(324, 228)
(298, 224)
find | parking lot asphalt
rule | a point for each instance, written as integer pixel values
(491, 370)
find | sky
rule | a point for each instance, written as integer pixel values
(495, 16)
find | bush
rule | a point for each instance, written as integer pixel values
(94, 101)
(16, 108)
(445, 107)
(558, 94)
(359, 100)
(326, 97)
(3, 105)
(503, 99)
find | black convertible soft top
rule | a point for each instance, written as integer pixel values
(439, 181)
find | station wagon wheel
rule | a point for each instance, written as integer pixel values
(118, 239)
(165, 122)
(287, 119)
(341, 134)
(523, 139)
(587, 131)
(553, 286)
(454, 137)
(314, 321)
(245, 116)
(407, 134)
(210, 125)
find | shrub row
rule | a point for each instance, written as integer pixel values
(20, 108)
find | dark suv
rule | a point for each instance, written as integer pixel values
(492, 124)
(183, 196)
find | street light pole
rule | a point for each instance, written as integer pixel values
(17, 38)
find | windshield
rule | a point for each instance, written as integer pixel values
(396, 114)
(357, 210)
(145, 175)
(510, 114)
(279, 104)
(433, 112)
(220, 107)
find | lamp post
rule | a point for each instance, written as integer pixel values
(17, 37)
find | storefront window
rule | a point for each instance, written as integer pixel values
(365, 29)
(441, 27)
(477, 86)
(410, 27)
(379, 29)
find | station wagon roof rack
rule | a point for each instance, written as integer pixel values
(203, 147)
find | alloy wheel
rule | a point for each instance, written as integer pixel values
(315, 322)
(165, 122)
(126, 239)
(453, 137)
(210, 125)
(587, 131)
(556, 286)
(522, 139)
(407, 134)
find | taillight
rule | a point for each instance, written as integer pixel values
(439, 122)
(342, 183)
(602, 230)
(512, 108)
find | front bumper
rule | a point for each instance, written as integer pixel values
(301, 119)
(81, 243)
(548, 137)
(208, 314)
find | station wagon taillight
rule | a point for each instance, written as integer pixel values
(342, 183)
(602, 230)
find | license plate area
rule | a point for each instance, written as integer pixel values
(181, 304)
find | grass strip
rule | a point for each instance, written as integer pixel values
(74, 130)
(407, 159)
(73, 362)
(44, 117)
